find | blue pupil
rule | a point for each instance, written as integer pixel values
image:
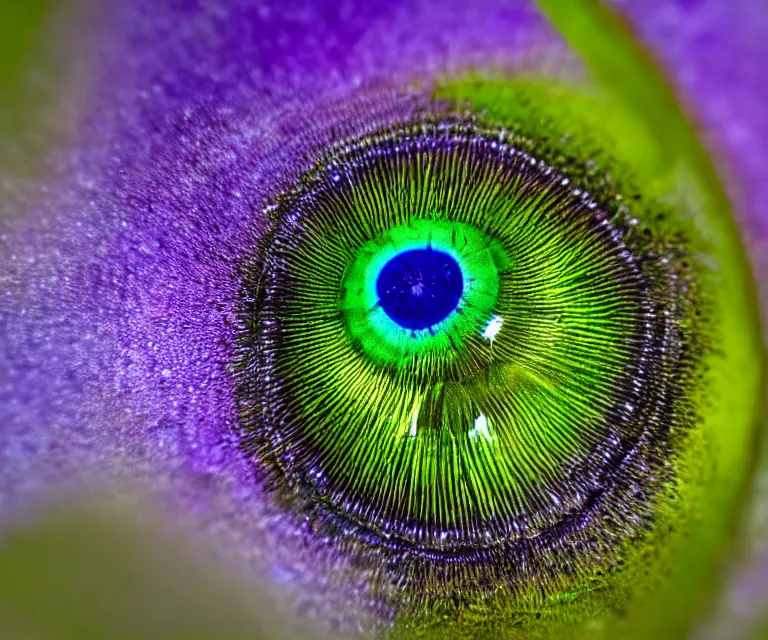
(419, 288)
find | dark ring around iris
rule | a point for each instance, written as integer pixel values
(625, 467)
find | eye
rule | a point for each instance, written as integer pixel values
(490, 362)
(489, 352)
(484, 340)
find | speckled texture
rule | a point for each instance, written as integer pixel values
(118, 283)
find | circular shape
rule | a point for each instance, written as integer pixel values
(419, 288)
(512, 418)
(552, 440)
(480, 259)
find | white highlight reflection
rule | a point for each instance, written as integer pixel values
(481, 429)
(492, 328)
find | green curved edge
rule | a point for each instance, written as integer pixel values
(620, 64)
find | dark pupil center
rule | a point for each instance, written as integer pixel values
(419, 288)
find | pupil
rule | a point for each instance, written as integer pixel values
(419, 288)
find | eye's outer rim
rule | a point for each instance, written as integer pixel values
(333, 526)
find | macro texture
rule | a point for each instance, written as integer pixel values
(214, 138)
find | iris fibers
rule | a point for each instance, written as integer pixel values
(472, 360)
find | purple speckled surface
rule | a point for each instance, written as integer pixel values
(118, 281)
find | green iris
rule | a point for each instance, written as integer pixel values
(468, 432)
(539, 451)
(480, 259)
